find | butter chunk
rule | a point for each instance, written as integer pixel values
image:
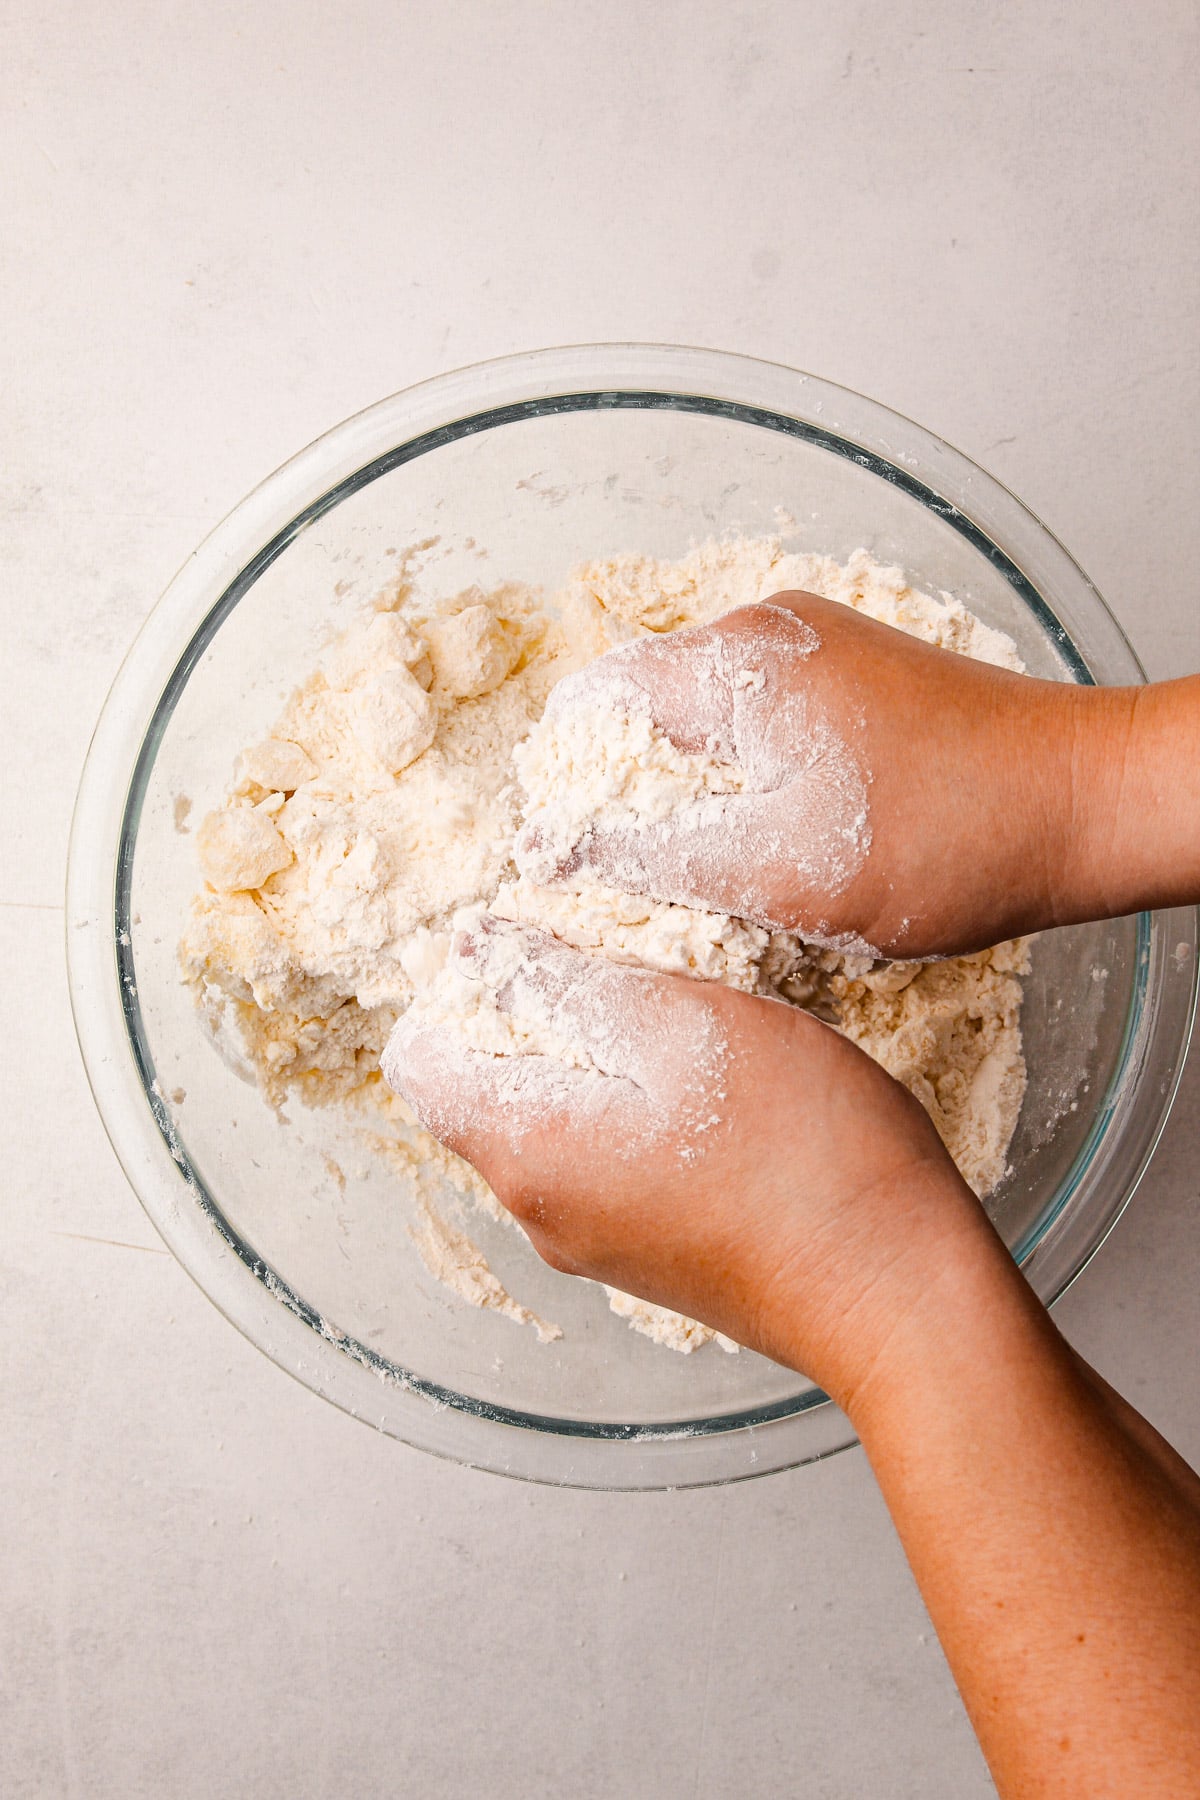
(274, 764)
(386, 643)
(392, 717)
(240, 848)
(472, 653)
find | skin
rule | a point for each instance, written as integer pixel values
(997, 804)
(1055, 1536)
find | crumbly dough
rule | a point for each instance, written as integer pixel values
(387, 798)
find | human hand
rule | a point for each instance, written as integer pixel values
(897, 796)
(724, 1155)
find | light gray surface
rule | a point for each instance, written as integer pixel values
(227, 230)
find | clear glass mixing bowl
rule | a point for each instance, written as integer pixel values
(539, 461)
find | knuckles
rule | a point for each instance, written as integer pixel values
(529, 1207)
(524, 1203)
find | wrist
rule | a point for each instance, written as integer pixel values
(843, 1310)
(1094, 802)
(1067, 746)
(971, 1309)
(1133, 799)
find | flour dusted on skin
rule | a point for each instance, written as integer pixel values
(678, 800)
(385, 799)
(527, 1026)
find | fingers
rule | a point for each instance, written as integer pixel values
(599, 1037)
(776, 857)
(790, 835)
(693, 683)
(636, 1073)
(526, 1123)
(725, 856)
(678, 681)
(604, 1053)
(619, 1021)
(487, 1107)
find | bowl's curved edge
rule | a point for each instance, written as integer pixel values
(94, 979)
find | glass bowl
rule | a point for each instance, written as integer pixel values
(521, 468)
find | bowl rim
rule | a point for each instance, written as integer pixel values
(102, 976)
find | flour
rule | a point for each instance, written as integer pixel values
(745, 758)
(662, 1326)
(460, 1265)
(388, 798)
(520, 1024)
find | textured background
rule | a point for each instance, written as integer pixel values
(226, 228)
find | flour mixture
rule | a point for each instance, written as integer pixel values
(387, 800)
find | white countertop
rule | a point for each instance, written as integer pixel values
(227, 229)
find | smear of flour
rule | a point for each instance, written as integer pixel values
(387, 798)
(744, 775)
(516, 1023)
(460, 1265)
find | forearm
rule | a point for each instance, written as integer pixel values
(1057, 1548)
(1132, 832)
(1140, 1432)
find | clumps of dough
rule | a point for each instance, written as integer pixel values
(663, 1326)
(382, 676)
(275, 766)
(471, 651)
(239, 848)
(392, 717)
(386, 643)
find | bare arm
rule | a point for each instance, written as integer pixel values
(1134, 794)
(1054, 1535)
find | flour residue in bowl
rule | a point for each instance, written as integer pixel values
(387, 799)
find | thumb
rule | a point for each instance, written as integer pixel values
(614, 1019)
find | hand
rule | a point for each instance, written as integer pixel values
(724, 1155)
(732, 1157)
(896, 794)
